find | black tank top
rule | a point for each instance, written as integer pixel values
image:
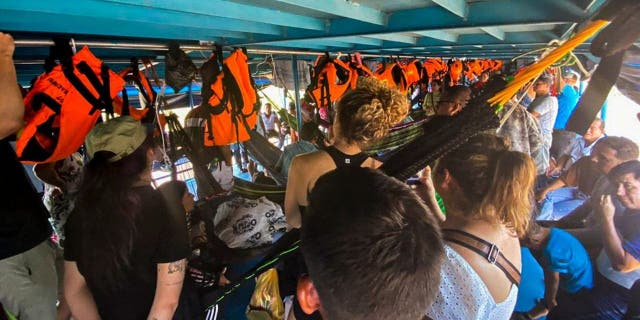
(344, 160)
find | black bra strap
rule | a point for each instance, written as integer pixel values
(485, 249)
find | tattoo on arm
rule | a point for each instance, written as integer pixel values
(177, 266)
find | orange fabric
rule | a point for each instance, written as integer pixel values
(51, 135)
(228, 120)
(337, 87)
(412, 74)
(393, 74)
(496, 65)
(435, 68)
(455, 71)
(473, 69)
(131, 74)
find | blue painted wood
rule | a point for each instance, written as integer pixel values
(106, 10)
(77, 25)
(343, 9)
(228, 9)
(457, 7)
(493, 13)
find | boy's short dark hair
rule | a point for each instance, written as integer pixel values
(373, 250)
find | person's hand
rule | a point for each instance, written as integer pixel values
(531, 92)
(223, 281)
(606, 209)
(427, 182)
(550, 302)
(541, 195)
(7, 45)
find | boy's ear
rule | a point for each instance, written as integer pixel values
(307, 295)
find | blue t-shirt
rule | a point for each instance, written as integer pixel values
(566, 255)
(531, 283)
(567, 102)
(627, 225)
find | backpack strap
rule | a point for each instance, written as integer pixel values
(486, 249)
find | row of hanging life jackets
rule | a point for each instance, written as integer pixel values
(332, 77)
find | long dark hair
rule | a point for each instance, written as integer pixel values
(107, 209)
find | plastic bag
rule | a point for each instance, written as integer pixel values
(266, 303)
(247, 223)
(180, 70)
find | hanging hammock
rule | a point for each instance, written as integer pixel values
(397, 137)
(265, 153)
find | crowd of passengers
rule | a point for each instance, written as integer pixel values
(524, 234)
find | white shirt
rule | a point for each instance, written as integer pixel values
(269, 121)
(625, 279)
(463, 295)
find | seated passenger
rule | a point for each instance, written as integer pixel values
(565, 261)
(309, 138)
(486, 189)
(582, 147)
(584, 180)
(362, 115)
(453, 100)
(372, 248)
(618, 263)
(608, 153)
(569, 191)
(125, 250)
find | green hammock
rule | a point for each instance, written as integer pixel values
(397, 137)
(253, 190)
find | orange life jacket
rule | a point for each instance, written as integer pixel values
(234, 102)
(413, 72)
(455, 71)
(330, 79)
(496, 65)
(63, 105)
(393, 74)
(473, 69)
(435, 68)
(147, 96)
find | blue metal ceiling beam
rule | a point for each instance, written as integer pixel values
(342, 8)
(480, 39)
(493, 13)
(494, 32)
(394, 38)
(309, 44)
(232, 10)
(440, 35)
(76, 25)
(457, 7)
(100, 9)
(366, 41)
(294, 44)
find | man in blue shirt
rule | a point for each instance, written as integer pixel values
(568, 98)
(618, 264)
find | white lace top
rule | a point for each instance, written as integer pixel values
(464, 296)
